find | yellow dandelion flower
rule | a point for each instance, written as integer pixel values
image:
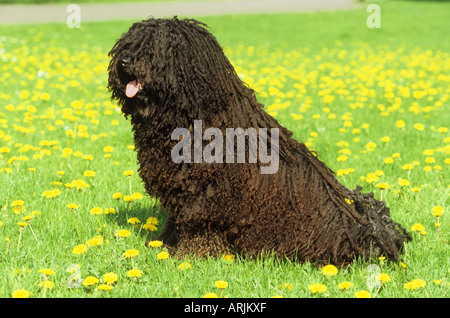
(133, 220)
(400, 123)
(134, 273)
(211, 295)
(384, 278)
(417, 227)
(362, 294)
(437, 211)
(96, 211)
(110, 211)
(47, 271)
(152, 220)
(18, 206)
(47, 284)
(371, 177)
(51, 193)
(108, 149)
(128, 173)
(383, 185)
(184, 266)
(296, 116)
(117, 195)
(345, 285)
(408, 166)
(342, 158)
(72, 206)
(386, 139)
(123, 233)
(150, 227)
(131, 253)
(96, 241)
(137, 196)
(403, 182)
(90, 280)
(155, 243)
(104, 287)
(371, 145)
(221, 284)
(24, 94)
(80, 249)
(21, 293)
(27, 218)
(228, 257)
(415, 284)
(162, 255)
(329, 270)
(69, 185)
(89, 173)
(128, 198)
(419, 127)
(80, 184)
(110, 278)
(287, 286)
(17, 203)
(317, 288)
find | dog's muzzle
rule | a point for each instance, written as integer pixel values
(133, 86)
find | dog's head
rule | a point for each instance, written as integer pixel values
(174, 63)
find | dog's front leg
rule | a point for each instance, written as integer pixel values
(202, 243)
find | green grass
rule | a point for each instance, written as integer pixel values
(339, 86)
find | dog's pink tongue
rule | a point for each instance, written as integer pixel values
(132, 88)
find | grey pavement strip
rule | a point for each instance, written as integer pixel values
(49, 13)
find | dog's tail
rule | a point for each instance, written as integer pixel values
(365, 221)
(389, 235)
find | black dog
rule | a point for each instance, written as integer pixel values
(170, 74)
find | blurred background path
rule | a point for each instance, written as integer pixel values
(46, 13)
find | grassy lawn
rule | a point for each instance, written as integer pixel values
(373, 103)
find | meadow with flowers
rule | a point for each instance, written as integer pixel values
(373, 103)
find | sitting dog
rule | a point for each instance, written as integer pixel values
(257, 191)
